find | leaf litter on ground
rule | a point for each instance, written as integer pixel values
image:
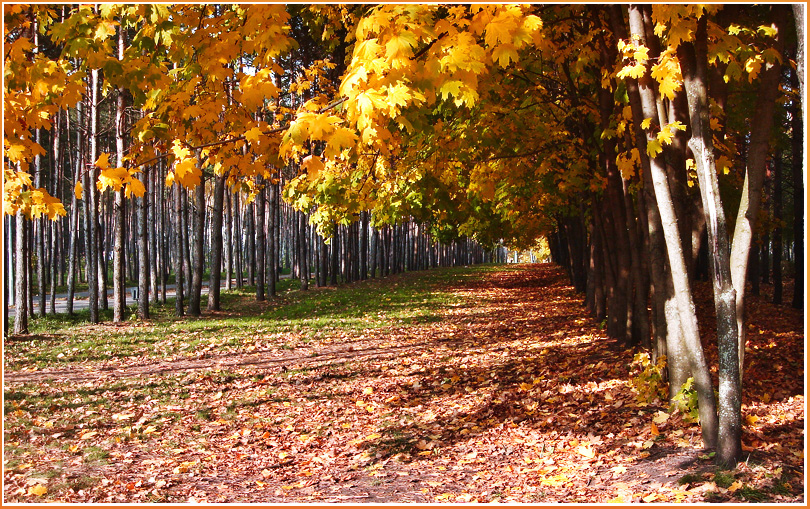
(506, 393)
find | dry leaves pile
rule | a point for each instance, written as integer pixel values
(514, 396)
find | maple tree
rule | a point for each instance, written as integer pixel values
(602, 128)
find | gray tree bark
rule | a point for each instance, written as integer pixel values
(693, 60)
(680, 279)
(21, 290)
(755, 163)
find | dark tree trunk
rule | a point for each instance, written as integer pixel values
(178, 255)
(274, 232)
(364, 245)
(797, 167)
(216, 244)
(375, 242)
(143, 252)
(228, 241)
(250, 232)
(73, 254)
(335, 246)
(260, 244)
(302, 250)
(198, 253)
(777, 232)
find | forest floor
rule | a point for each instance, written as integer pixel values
(486, 384)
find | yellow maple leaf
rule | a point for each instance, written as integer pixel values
(322, 125)
(660, 417)
(752, 66)
(654, 148)
(15, 152)
(501, 28)
(111, 178)
(78, 190)
(401, 44)
(398, 95)
(187, 173)
(635, 70)
(103, 161)
(253, 135)
(312, 165)
(180, 152)
(342, 138)
(37, 490)
(136, 187)
(504, 54)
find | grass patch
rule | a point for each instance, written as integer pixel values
(724, 479)
(751, 494)
(409, 298)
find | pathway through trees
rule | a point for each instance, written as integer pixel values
(512, 395)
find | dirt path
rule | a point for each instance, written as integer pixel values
(514, 396)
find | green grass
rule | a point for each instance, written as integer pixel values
(409, 298)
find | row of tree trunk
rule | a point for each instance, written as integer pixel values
(646, 238)
(179, 236)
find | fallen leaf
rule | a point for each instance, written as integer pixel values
(586, 450)
(37, 490)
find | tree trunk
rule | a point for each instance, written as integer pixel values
(273, 247)
(228, 241)
(119, 291)
(150, 209)
(250, 248)
(364, 245)
(57, 172)
(90, 204)
(238, 250)
(375, 241)
(335, 255)
(302, 250)
(21, 290)
(693, 60)
(777, 232)
(8, 271)
(178, 246)
(260, 245)
(797, 170)
(144, 273)
(216, 244)
(198, 253)
(678, 270)
(73, 254)
(756, 160)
